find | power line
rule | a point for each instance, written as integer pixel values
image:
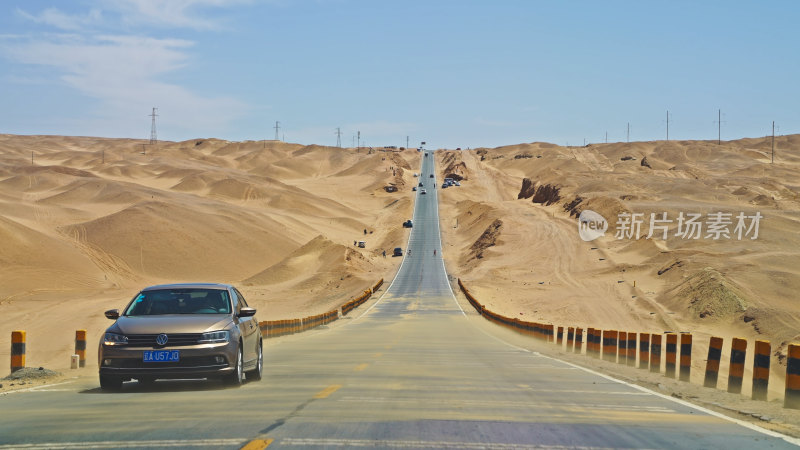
(153, 136)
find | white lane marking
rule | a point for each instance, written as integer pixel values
(127, 444)
(39, 388)
(503, 403)
(441, 257)
(748, 425)
(384, 443)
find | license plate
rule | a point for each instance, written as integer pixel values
(161, 356)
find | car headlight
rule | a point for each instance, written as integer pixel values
(214, 337)
(115, 339)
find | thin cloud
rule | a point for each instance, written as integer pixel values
(68, 22)
(171, 13)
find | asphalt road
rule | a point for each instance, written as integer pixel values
(411, 369)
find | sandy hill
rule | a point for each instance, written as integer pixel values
(86, 222)
(513, 235)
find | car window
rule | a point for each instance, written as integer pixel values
(179, 301)
(241, 298)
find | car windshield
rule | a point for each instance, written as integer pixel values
(180, 301)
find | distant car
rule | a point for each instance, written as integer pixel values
(398, 251)
(431, 176)
(423, 191)
(416, 174)
(444, 185)
(426, 154)
(456, 183)
(196, 330)
(408, 224)
(414, 188)
(420, 184)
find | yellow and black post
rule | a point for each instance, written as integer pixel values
(622, 345)
(632, 349)
(655, 353)
(644, 350)
(736, 370)
(792, 398)
(712, 363)
(672, 350)
(761, 370)
(17, 350)
(578, 339)
(610, 345)
(686, 357)
(80, 347)
(560, 336)
(570, 338)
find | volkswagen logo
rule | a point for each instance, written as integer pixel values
(162, 339)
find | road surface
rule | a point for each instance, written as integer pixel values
(411, 369)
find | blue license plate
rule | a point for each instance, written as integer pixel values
(161, 356)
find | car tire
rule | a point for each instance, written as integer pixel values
(235, 378)
(255, 374)
(110, 383)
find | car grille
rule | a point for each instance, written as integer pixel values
(175, 340)
(187, 362)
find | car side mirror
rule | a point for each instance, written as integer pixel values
(247, 312)
(112, 314)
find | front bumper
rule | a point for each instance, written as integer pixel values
(196, 361)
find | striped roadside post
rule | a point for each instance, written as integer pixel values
(672, 349)
(655, 353)
(712, 363)
(578, 340)
(792, 396)
(570, 338)
(622, 347)
(761, 370)
(686, 357)
(644, 350)
(736, 370)
(17, 350)
(610, 345)
(560, 336)
(80, 347)
(632, 349)
(590, 341)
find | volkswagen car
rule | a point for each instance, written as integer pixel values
(196, 330)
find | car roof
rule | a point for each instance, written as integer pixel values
(219, 286)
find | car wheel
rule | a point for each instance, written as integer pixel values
(110, 383)
(256, 373)
(235, 377)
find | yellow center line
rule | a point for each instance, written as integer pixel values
(360, 367)
(328, 391)
(257, 444)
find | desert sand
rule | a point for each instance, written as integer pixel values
(87, 222)
(515, 243)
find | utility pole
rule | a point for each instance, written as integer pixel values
(277, 127)
(667, 124)
(719, 127)
(153, 137)
(406, 141)
(359, 140)
(338, 137)
(606, 137)
(772, 160)
(628, 135)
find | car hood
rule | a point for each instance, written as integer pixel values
(171, 323)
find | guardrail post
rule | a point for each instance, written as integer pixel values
(17, 350)
(672, 349)
(736, 370)
(632, 349)
(655, 353)
(578, 340)
(792, 396)
(686, 357)
(712, 363)
(80, 347)
(610, 345)
(622, 346)
(570, 338)
(560, 336)
(761, 370)
(644, 350)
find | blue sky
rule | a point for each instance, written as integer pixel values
(454, 73)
